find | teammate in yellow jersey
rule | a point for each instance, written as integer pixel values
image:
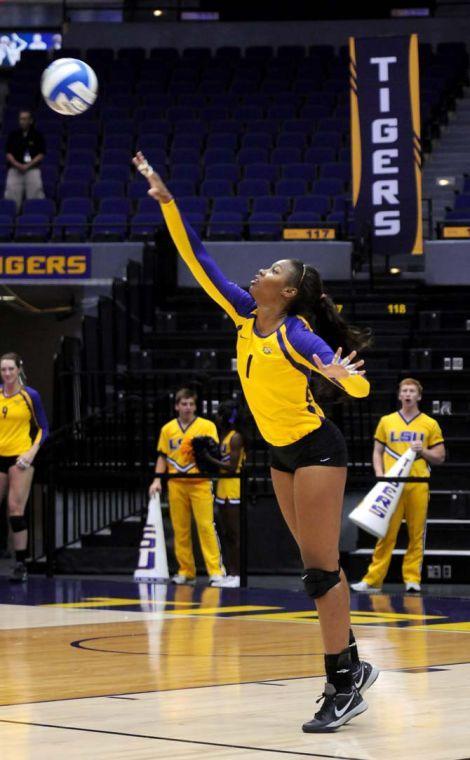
(277, 352)
(227, 494)
(23, 429)
(395, 434)
(190, 496)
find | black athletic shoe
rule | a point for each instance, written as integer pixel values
(19, 573)
(364, 675)
(336, 710)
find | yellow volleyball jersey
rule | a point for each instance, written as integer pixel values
(274, 369)
(229, 488)
(174, 443)
(22, 421)
(396, 434)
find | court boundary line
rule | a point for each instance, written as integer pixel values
(223, 685)
(180, 741)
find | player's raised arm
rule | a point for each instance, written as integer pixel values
(315, 354)
(233, 299)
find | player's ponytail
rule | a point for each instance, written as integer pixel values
(11, 356)
(322, 314)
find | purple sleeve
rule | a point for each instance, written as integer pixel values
(306, 343)
(240, 300)
(39, 415)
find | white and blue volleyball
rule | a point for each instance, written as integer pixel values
(69, 86)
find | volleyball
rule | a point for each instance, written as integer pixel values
(69, 86)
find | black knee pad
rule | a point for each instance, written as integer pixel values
(318, 582)
(18, 523)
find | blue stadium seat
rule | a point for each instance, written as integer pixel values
(83, 206)
(6, 227)
(304, 217)
(336, 171)
(193, 204)
(108, 188)
(320, 155)
(116, 206)
(182, 187)
(253, 156)
(223, 171)
(118, 142)
(219, 156)
(318, 204)
(149, 142)
(32, 227)
(80, 142)
(252, 188)
(462, 214)
(188, 141)
(119, 126)
(271, 203)
(215, 187)
(185, 171)
(120, 173)
(154, 127)
(176, 113)
(261, 140)
(462, 201)
(214, 113)
(329, 187)
(222, 141)
(191, 127)
(315, 112)
(7, 207)
(267, 172)
(296, 140)
(115, 156)
(143, 226)
(327, 140)
(51, 158)
(70, 227)
(264, 225)
(279, 112)
(227, 126)
(73, 189)
(236, 204)
(247, 113)
(43, 206)
(80, 158)
(109, 227)
(225, 225)
(282, 156)
(305, 171)
(291, 187)
(78, 173)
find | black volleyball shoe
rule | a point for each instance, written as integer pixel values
(336, 710)
(364, 675)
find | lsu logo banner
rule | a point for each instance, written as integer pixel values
(44, 262)
(386, 143)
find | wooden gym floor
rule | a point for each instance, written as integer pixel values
(102, 669)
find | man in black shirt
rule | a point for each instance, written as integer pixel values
(25, 150)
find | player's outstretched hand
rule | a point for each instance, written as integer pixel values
(158, 189)
(340, 368)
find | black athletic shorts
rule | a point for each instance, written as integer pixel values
(7, 462)
(324, 446)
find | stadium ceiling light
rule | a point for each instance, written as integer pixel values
(395, 270)
(158, 12)
(445, 181)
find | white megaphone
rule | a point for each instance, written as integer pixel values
(153, 564)
(375, 511)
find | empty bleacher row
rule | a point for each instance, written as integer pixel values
(248, 141)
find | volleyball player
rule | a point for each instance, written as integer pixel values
(277, 351)
(23, 429)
